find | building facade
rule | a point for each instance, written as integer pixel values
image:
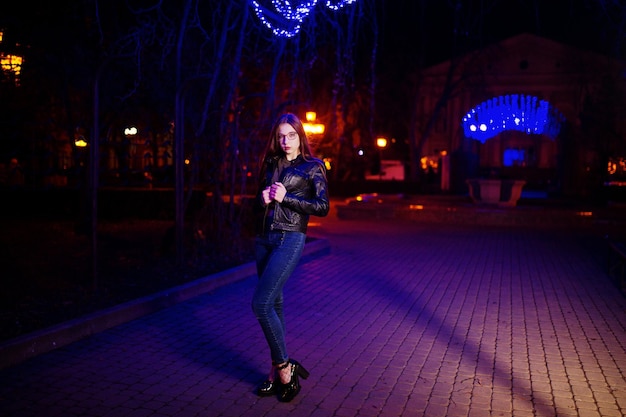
(526, 108)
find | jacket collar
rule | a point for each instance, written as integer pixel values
(274, 159)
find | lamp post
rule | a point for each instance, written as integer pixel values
(381, 143)
(310, 126)
(130, 131)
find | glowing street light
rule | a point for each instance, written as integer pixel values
(80, 142)
(310, 127)
(11, 63)
(130, 131)
(381, 142)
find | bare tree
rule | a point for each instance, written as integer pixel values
(234, 76)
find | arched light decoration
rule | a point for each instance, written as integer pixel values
(518, 112)
(285, 18)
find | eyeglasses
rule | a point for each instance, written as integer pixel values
(291, 136)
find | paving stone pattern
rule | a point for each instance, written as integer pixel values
(400, 319)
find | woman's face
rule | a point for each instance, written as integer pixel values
(289, 140)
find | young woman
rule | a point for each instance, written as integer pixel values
(292, 187)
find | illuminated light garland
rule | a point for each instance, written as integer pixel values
(518, 112)
(338, 4)
(285, 20)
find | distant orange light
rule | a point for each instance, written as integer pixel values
(12, 63)
(80, 143)
(312, 128)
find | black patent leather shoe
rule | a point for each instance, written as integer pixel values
(289, 390)
(266, 389)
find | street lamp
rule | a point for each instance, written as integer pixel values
(80, 142)
(310, 127)
(130, 131)
(11, 63)
(381, 142)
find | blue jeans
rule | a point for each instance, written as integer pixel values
(277, 255)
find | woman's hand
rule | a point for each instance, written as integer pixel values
(277, 192)
(265, 195)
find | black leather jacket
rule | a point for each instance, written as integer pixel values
(307, 195)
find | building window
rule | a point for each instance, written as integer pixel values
(515, 157)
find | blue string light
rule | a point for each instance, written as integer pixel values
(285, 19)
(518, 112)
(336, 5)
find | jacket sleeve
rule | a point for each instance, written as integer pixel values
(318, 203)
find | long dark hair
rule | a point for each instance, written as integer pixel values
(273, 149)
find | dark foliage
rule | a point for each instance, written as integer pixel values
(47, 270)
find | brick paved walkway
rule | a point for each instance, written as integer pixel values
(400, 319)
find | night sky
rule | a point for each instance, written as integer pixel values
(412, 33)
(591, 24)
(583, 23)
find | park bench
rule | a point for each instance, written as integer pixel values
(617, 263)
